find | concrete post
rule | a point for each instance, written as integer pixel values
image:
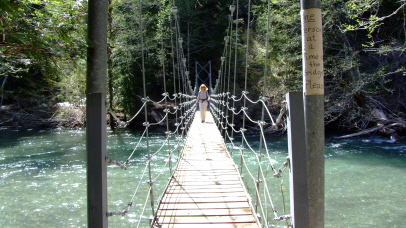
(96, 114)
(313, 88)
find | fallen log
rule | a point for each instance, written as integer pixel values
(118, 122)
(371, 130)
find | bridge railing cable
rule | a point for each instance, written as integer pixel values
(183, 110)
(225, 103)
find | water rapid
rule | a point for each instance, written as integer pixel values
(43, 179)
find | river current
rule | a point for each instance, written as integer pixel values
(43, 179)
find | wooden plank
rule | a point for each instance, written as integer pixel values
(184, 176)
(180, 190)
(206, 189)
(213, 184)
(208, 194)
(207, 219)
(208, 163)
(183, 199)
(211, 212)
(203, 178)
(176, 184)
(200, 206)
(205, 174)
(233, 225)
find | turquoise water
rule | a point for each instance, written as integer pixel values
(43, 179)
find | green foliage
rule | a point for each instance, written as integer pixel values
(35, 36)
(43, 50)
(363, 43)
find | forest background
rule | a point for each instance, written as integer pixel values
(43, 50)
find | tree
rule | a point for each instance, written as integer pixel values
(35, 36)
(364, 62)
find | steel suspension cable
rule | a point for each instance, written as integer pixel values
(223, 88)
(232, 9)
(246, 75)
(166, 101)
(151, 193)
(174, 12)
(235, 68)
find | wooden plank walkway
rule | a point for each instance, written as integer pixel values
(206, 189)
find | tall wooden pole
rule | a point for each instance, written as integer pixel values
(313, 88)
(96, 114)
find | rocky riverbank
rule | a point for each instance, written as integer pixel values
(63, 115)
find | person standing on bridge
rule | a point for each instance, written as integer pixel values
(203, 99)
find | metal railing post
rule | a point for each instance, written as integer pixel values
(96, 114)
(299, 204)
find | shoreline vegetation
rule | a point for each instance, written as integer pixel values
(65, 115)
(43, 61)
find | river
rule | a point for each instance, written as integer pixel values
(43, 179)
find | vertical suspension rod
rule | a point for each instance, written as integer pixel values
(174, 12)
(246, 80)
(264, 90)
(166, 100)
(229, 69)
(235, 63)
(151, 192)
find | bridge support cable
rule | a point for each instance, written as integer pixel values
(248, 151)
(246, 75)
(264, 93)
(167, 132)
(146, 123)
(232, 9)
(184, 111)
(182, 106)
(235, 65)
(222, 105)
(224, 83)
(174, 12)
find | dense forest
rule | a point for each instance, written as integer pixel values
(43, 56)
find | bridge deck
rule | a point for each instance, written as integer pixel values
(206, 188)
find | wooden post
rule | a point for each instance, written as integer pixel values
(96, 114)
(313, 88)
(299, 204)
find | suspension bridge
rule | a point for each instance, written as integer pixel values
(208, 186)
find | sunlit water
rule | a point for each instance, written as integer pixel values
(43, 179)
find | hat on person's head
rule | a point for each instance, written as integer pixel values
(203, 86)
